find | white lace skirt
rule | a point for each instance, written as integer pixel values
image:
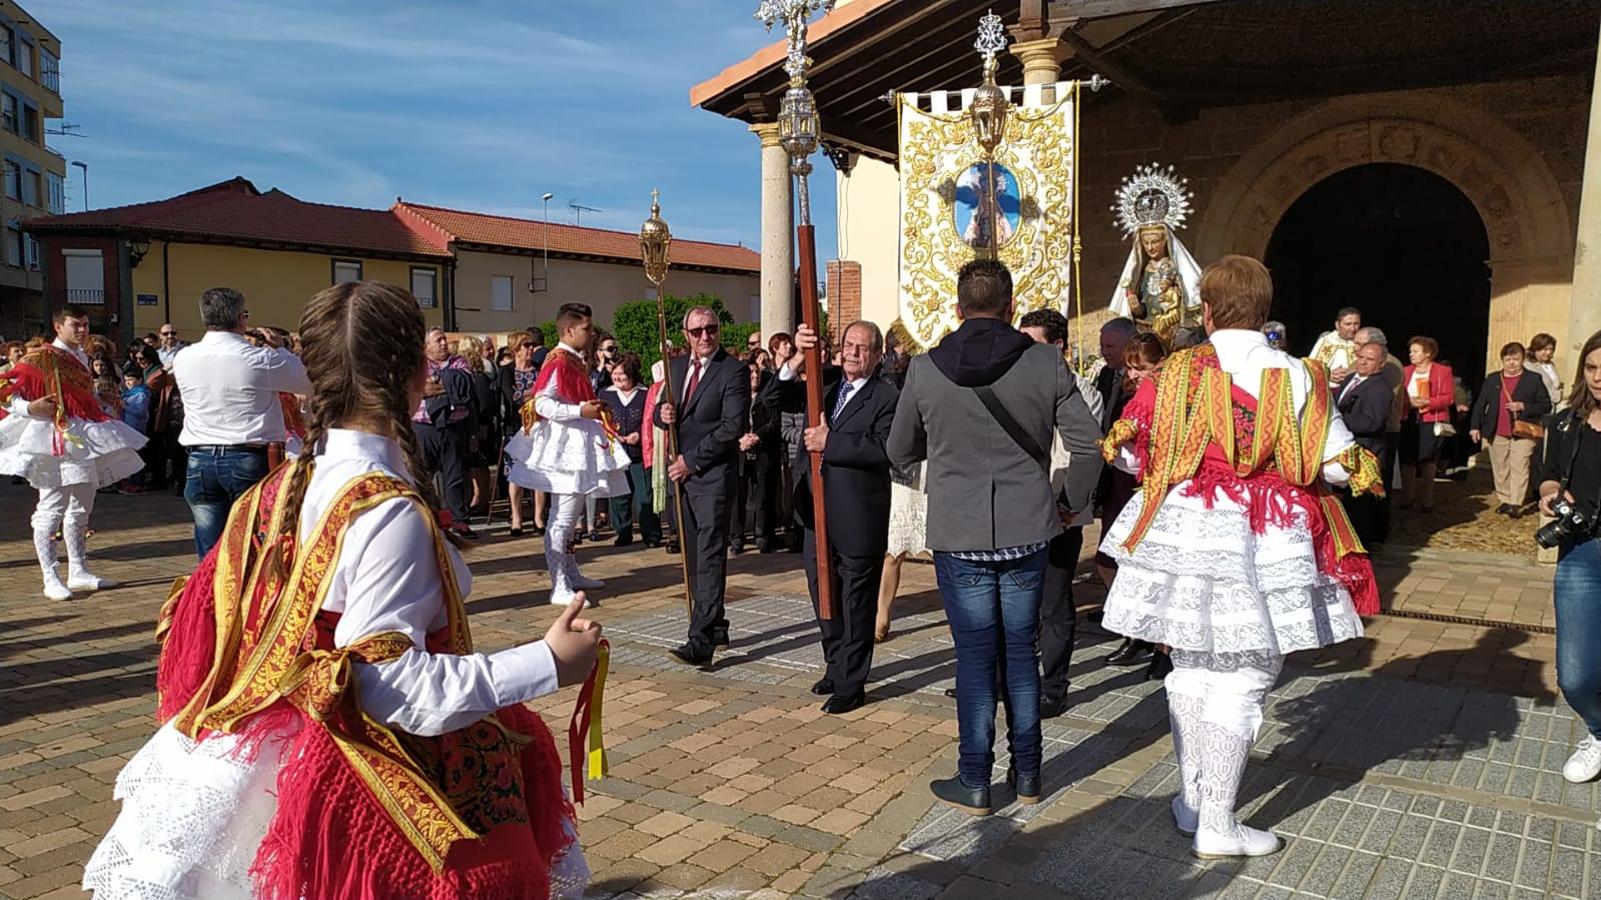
(193, 816)
(568, 458)
(908, 517)
(1202, 580)
(97, 453)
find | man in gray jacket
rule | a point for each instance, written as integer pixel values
(981, 407)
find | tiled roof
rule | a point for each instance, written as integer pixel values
(235, 211)
(571, 240)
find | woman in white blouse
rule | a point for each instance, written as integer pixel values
(1542, 362)
(379, 755)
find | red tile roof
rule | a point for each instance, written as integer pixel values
(567, 240)
(234, 211)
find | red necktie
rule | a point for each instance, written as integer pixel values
(694, 380)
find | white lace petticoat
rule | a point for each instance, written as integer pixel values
(1202, 580)
(908, 518)
(97, 453)
(193, 816)
(568, 458)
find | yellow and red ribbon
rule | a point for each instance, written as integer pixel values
(584, 739)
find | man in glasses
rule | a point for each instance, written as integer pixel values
(754, 342)
(605, 357)
(710, 413)
(170, 345)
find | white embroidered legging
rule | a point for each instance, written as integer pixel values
(66, 508)
(1215, 701)
(564, 510)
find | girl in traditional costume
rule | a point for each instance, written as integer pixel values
(1234, 552)
(567, 448)
(55, 433)
(328, 730)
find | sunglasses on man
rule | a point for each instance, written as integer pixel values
(702, 331)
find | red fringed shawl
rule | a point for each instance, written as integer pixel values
(56, 374)
(1192, 424)
(363, 811)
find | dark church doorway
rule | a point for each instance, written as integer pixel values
(1401, 244)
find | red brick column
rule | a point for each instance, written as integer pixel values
(844, 295)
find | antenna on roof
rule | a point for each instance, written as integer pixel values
(579, 209)
(67, 129)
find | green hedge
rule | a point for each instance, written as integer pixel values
(636, 331)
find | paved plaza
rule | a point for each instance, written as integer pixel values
(1422, 761)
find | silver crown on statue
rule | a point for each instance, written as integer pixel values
(1152, 196)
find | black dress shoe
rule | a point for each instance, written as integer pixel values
(1503, 509)
(1052, 707)
(823, 687)
(1132, 653)
(951, 791)
(1027, 787)
(737, 549)
(623, 541)
(765, 547)
(672, 547)
(1161, 665)
(837, 705)
(652, 545)
(515, 532)
(1515, 512)
(686, 655)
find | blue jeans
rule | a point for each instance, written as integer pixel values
(1577, 593)
(993, 609)
(217, 477)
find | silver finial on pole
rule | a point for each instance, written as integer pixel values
(798, 127)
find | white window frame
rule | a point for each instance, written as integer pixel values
(91, 276)
(426, 275)
(495, 294)
(25, 58)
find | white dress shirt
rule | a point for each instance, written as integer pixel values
(386, 579)
(230, 390)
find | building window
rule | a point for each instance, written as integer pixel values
(49, 70)
(14, 175)
(86, 277)
(422, 286)
(30, 188)
(500, 292)
(8, 44)
(14, 253)
(30, 124)
(10, 111)
(30, 249)
(347, 270)
(57, 193)
(25, 58)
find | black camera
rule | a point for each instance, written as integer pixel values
(1570, 524)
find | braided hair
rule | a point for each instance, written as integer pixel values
(362, 345)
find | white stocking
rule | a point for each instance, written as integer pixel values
(1218, 699)
(46, 519)
(75, 531)
(1185, 714)
(564, 509)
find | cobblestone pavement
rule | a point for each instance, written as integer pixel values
(1422, 761)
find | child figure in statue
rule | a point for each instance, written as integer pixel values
(1160, 285)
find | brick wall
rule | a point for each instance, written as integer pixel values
(844, 295)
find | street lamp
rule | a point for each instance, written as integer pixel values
(545, 199)
(85, 167)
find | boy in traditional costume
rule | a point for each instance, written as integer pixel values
(329, 732)
(1234, 552)
(56, 434)
(567, 448)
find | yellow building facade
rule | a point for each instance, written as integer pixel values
(34, 175)
(169, 280)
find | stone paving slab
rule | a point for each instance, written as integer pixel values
(1421, 761)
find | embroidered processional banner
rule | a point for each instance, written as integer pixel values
(949, 205)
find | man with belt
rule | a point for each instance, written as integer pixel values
(231, 409)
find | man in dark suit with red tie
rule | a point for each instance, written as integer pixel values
(1364, 402)
(859, 408)
(714, 392)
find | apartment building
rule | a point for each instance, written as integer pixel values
(34, 174)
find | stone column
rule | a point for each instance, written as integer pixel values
(1584, 310)
(1042, 60)
(778, 234)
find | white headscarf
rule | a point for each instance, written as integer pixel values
(1189, 273)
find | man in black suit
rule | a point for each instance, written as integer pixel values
(1364, 402)
(859, 408)
(714, 393)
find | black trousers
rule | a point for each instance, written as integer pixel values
(444, 450)
(758, 494)
(848, 636)
(1058, 615)
(704, 539)
(1381, 508)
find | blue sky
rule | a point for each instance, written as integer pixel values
(476, 104)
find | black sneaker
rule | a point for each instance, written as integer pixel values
(951, 791)
(1027, 787)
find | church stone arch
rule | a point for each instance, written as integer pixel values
(1501, 172)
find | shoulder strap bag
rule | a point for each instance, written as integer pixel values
(1531, 431)
(1023, 439)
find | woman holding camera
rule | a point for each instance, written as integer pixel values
(1572, 494)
